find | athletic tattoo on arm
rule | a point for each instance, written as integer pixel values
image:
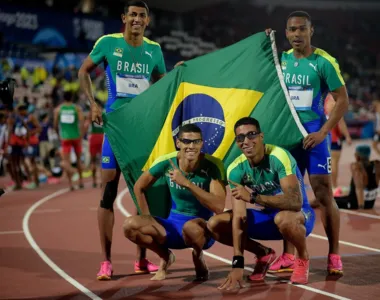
(290, 200)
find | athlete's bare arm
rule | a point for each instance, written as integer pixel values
(85, 82)
(291, 198)
(239, 225)
(81, 120)
(145, 181)
(341, 105)
(377, 171)
(37, 127)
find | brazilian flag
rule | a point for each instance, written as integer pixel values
(212, 91)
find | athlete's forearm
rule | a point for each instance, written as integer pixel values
(208, 200)
(291, 200)
(239, 226)
(86, 86)
(141, 201)
(82, 129)
(340, 108)
(343, 128)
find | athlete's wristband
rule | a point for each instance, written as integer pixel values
(238, 262)
(253, 197)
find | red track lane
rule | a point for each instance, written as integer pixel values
(65, 228)
(22, 273)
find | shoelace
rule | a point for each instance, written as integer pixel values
(299, 270)
(280, 260)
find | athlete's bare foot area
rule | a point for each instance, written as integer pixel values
(201, 270)
(164, 266)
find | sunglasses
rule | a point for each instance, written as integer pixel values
(188, 141)
(250, 135)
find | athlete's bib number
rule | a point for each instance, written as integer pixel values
(130, 85)
(370, 195)
(20, 131)
(302, 97)
(67, 119)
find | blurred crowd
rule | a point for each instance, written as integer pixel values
(187, 35)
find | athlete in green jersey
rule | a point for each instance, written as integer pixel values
(132, 62)
(197, 187)
(276, 184)
(95, 142)
(310, 73)
(69, 124)
(68, 121)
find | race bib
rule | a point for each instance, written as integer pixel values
(67, 119)
(370, 195)
(302, 97)
(20, 131)
(130, 85)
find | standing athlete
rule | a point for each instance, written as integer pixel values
(197, 187)
(310, 73)
(131, 62)
(69, 124)
(95, 146)
(276, 184)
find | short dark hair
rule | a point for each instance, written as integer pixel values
(299, 13)
(68, 96)
(189, 128)
(137, 3)
(247, 121)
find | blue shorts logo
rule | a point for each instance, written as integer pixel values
(205, 112)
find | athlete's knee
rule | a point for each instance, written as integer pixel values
(282, 219)
(287, 221)
(131, 226)
(193, 231)
(218, 223)
(109, 194)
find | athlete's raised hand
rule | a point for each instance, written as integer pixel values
(239, 192)
(177, 176)
(96, 113)
(181, 62)
(268, 31)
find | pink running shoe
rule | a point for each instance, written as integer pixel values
(301, 271)
(283, 263)
(337, 192)
(334, 265)
(262, 266)
(106, 271)
(145, 266)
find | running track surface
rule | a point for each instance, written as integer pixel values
(49, 249)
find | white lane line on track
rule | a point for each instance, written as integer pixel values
(358, 213)
(321, 237)
(222, 259)
(42, 255)
(11, 232)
